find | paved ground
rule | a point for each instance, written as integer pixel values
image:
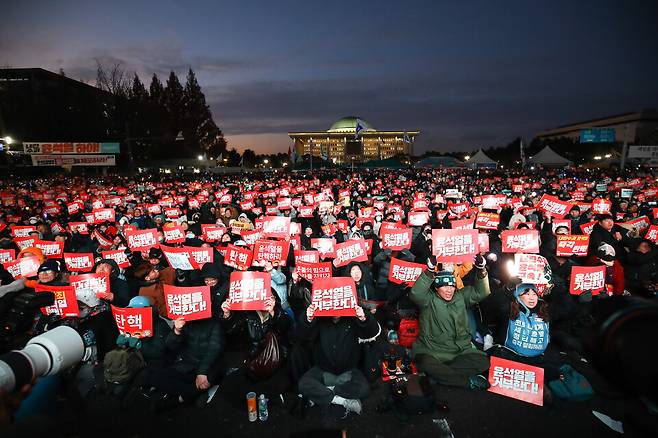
(471, 414)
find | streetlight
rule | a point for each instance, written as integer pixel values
(8, 140)
(467, 157)
(266, 161)
(597, 157)
(608, 155)
(285, 164)
(200, 158)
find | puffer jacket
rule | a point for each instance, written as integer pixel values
(444, 330)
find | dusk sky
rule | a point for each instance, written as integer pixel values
(471, 75)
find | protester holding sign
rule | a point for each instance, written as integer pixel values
(444, 350)
(198, 346)
(264, 370)
(528, 327)
(335, 377)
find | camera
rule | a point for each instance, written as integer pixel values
(17, 317)
(44, 355)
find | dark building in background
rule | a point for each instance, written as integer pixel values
(39, 105)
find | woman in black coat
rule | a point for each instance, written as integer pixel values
(266, 331)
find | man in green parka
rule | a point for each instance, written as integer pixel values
(443, 349)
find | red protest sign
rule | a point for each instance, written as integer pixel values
(530, 268)
(334, 296)
(459, 209)
(572, 244)
(652, 233)
(22, 268)
(134, 322)
(526, 241)
(493, 202)
(118, 255)
(91, 285)
(404, 272)
(275, 251)
(584, 278)
(325, 246)
(454, 245)
(52, 250)
(200, 256)
(305, 211)
(418, 218)
(487, 221)
(174, 234)
(79, 227)
(142, 240)
(238, 257)
(7, 255)
(24, 242)
(601, 206)
(21, 231)
(249, 290)
(212, 233)
(553, 206)
(462, 224)
(353, 250)
(587, 227)
(397, 239)
(307, 256)
(517, 380)
(250, 237)
(103, 215)
(276, 226)
(79, 262)
(65, 302)
(311, 271)
(189, 303)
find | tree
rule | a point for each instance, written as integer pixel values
(156, 90)
(198, 124)
(173, 100)
(249, 158)
(233, 157)
(113, 79)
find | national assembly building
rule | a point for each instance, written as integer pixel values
(342, 144)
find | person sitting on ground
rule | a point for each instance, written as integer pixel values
(443, 349)
(335, 377)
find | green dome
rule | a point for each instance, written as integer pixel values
(348, 124)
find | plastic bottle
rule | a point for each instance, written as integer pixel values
(262, 408)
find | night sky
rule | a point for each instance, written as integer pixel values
(472, 75)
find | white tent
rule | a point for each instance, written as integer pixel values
(548, 157)
(480, 159)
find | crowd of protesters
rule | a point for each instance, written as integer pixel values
(466, 311)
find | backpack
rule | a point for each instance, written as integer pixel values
(120, 366)
(571, 386)
(408, 332)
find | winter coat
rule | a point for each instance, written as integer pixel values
(444, 330)
(383, 261)
(155, 292)
(641, 269)
(198, 348)
(336, 346)
(528, 334)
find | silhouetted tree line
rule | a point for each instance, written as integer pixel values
(153, 119)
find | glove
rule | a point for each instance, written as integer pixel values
(480, 262)
(432, 264)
